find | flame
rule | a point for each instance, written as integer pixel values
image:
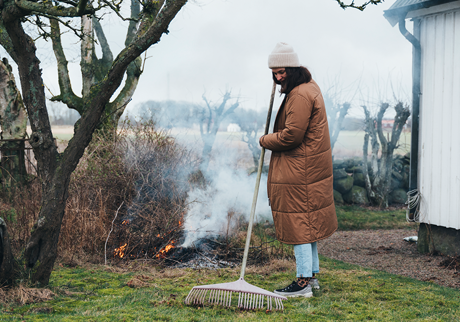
(179, 222)
(125, 222)
(166, 249)
(120, 251)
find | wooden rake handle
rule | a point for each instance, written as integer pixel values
(256, 190)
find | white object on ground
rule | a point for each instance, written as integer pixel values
(411, 239)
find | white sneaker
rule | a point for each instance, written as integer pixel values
(314, 283)
(294, 290)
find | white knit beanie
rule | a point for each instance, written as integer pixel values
(283, 56)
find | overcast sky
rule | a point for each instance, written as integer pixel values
(215, 45)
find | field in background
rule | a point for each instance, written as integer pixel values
(349, 143)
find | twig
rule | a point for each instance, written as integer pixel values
(105, 247)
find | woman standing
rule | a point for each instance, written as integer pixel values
(300, 187)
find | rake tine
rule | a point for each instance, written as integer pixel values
(211, 296)
(239, 299)
(230, 298)
(226, 298)
(203, 296)
(188, 296)
(197, 297)
(193, 295)
(220, 297)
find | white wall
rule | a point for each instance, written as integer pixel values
(439, 145)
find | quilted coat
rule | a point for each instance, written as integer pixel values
(300, 187)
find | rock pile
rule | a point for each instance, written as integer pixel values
(349, 185)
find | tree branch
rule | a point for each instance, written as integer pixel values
(132, 79)
(132, 28)
(87, 52)
(57, 11)
(359, 7)
(66, 95)
(5, 41)
(381, 113)
(81, 7)
(105, 47)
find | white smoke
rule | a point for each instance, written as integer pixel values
(230, 190)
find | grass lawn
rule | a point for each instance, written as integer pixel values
(348, 292)
(358, 218)
(140, 292)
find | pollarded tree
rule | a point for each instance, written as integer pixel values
(210, 118)
(378, 188)
(54, 169)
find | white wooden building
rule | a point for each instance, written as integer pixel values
(436, 26)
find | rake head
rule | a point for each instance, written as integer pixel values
(249, 296)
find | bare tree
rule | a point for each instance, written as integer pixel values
(54, 169)
(335, 115)
(210, 119)
(378, 188)
(251, 123)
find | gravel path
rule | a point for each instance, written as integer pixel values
(386, 250)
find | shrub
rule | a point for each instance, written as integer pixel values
(135, 184)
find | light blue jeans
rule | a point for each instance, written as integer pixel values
(306, 259)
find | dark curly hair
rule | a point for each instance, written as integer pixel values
(294, 77)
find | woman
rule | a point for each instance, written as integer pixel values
(300, 188)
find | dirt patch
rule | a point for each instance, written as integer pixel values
(387, 250)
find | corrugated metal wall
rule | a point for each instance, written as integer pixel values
(439, 154)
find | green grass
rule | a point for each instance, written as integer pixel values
(357, 218)
(348, 292)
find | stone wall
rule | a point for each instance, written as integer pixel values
(349, 186)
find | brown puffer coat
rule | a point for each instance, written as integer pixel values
(300, 174)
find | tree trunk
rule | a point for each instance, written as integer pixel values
(13, 123)
(378, 189)
(8, 265)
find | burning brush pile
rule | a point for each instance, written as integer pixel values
(151, 224)
(129, 199)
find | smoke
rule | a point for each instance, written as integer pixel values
(229, 190)
(228, 193)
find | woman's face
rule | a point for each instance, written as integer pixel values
(280, 74)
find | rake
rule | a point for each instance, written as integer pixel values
(249, 296)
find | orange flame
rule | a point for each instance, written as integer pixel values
(125, 222)
(120, 251)
(166, 249)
